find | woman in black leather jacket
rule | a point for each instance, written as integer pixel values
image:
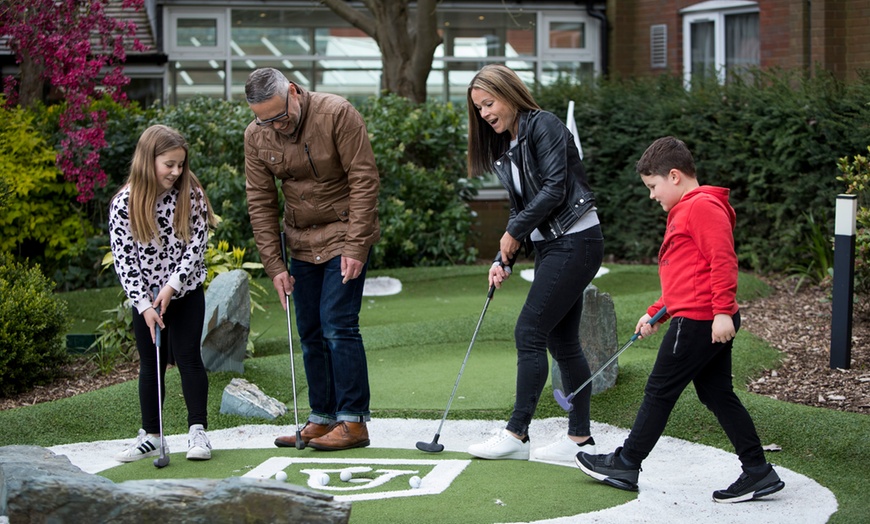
(552, 211)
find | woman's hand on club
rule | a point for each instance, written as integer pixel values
(497, 275)
(162, 301)
(152, 318)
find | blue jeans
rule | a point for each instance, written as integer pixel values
(327, 319)
(550, 319)
(687, 354)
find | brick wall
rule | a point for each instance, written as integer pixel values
(833, 35)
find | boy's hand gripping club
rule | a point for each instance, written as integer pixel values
(565, 401)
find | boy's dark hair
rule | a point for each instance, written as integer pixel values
(665, 154)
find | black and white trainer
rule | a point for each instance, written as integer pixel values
(609, 469)
(144, 447)
(750, 487)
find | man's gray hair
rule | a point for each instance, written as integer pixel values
(265, 83)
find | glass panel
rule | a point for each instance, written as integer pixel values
(575, 71)
(349, 41)
(741, 42)
(300, 72)
(502, 33)
(567, 35)
(703, 49)
(196, 32)
(267, 33)
(197, 78)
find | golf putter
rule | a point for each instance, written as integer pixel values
(299, 443)
(434, 446)
(163, 459)
(565, 401)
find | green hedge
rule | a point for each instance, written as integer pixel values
(773, 138)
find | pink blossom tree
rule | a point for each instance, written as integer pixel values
(77, 48)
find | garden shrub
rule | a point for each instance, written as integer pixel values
(33, 324)
(40, 218)
(856, 175)
(424, 212)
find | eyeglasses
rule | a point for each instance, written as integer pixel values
(282, 116)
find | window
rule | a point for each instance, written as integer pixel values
(720, 38)
(196, 33)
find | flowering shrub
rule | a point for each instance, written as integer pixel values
(69, 43)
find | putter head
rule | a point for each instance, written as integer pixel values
(431, 447)
(300, 444)
(161, 462)
(564, 401)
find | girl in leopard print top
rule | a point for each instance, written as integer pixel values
(158, 227)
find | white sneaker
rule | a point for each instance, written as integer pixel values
(564, 450)
(144, 447)
(502, 445)
(198, 446)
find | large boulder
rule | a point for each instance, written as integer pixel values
(38, 486)
(240, 397)
(598, 337)
(227, 322)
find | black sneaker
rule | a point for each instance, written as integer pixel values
(609, 469)
(748, 487)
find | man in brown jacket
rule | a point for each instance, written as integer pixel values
(317, 147)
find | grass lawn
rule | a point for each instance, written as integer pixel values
(416, 342)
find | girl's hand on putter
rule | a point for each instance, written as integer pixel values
(152, 318)
(162, 301)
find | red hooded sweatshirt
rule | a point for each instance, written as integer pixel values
(697, 262)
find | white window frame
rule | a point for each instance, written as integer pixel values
(221, 47)
(712, 11)
(591, 53)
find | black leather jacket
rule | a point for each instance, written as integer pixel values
(555, 192)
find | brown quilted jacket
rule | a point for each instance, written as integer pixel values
(327, 174)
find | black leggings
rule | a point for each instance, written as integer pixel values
(183, 335)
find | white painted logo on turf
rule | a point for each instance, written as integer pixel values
(440, 477)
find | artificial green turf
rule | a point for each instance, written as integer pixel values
(425, 332)
(486, 491)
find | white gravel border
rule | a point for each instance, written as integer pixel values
(676, 484)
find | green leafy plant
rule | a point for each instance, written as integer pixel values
(115, 338)
(819, 264)
(856, 175)
(33, 322)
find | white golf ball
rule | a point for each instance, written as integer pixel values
(414, 482)
(346, 476)
(324, 479)
(281, 476)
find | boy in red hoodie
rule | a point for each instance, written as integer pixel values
(698, 273)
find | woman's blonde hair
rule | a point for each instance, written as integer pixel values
(144, 188)
(485, 146)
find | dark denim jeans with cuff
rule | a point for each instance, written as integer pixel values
(327, 320)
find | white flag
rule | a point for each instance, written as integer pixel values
(572, 126)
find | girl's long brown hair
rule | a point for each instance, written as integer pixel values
(144, 188)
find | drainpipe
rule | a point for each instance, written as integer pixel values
(603, 35)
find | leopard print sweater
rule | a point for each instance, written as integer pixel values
(170, 261)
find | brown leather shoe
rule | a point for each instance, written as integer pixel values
(344, 435)
(309, 431)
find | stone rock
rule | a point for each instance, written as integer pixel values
(227, 322)
(240, 397)
(598, 337)
(38, 486)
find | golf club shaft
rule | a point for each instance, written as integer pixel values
(154, 291)
(467, 353)
(290, 341)
(628, 344)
